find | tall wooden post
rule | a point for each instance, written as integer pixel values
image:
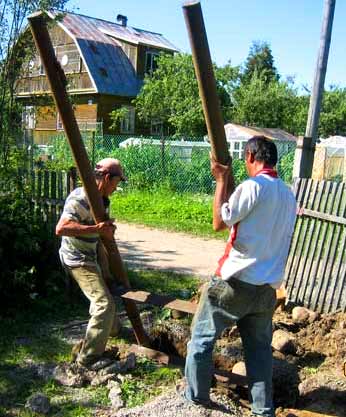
(304, 156)
(57, 81)
(206, 80)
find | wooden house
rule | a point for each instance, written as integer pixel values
(105, 64)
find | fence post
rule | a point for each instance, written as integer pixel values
(93, 135)
(303, 157)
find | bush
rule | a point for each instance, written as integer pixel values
(28, 261)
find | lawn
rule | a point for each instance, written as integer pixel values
(164, 209)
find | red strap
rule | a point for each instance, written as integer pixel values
(268, 171)
(229, 246)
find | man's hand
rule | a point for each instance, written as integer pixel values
(220, 172)
(106, 228)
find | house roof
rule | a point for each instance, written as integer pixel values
(334, 142)
(98, 41)
(238, 132)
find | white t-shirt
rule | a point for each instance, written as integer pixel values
(261, 212)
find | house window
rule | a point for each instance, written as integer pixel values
(150, 61)
(28, 117)
(237, 149)
(131, 52)
(127, 124)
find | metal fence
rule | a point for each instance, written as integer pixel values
(180, 164)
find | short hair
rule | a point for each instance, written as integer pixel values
(263, 150)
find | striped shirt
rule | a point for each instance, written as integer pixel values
(76, 251)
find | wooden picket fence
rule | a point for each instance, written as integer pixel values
(49, 190)
(316, 266)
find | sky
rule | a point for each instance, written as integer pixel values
(291, 27)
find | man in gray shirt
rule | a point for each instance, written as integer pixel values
(78, 253)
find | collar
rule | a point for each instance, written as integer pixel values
(268, 171)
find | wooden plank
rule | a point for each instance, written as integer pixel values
(299, 242)
(289, 278)
(158, 300)
(60, 192)
(317, 280)
(329, 254)
(326, 186)
(53, 198)
(337, 270)
(322, 216)
(313, 241)
(306, 237)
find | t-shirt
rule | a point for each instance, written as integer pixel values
(261, 213)
(79, 250)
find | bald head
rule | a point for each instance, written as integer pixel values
(110, 166)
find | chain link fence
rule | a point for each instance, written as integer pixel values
(181, 165)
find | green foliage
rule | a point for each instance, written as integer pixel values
(170, 94)
(146, 381)
(265, 103)
(333, 113)
(260, 63)
(285, 167)
(28, 265)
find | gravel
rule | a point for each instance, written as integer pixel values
(173, 405)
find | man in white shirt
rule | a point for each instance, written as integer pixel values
(260, 214)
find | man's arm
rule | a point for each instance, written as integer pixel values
(224, 188)
(67, 227)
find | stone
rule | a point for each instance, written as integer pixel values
(239, 368)
(300, 315)
(38, 403)
(115, 395)
(68, 376)
(283, 342)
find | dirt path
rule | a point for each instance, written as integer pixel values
(146, 248)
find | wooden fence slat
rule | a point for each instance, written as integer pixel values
(315, 202)
(300, 241)
(317, 279)
(336, 263)
(322, 216)
(329, 250)
(301, 186)
(53, 198)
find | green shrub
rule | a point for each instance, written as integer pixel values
(28, 262)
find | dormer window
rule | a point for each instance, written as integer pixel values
(150, 61)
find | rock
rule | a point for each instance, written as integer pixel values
(300, 315)
(239, 368)
(283, 342)
(38, 403)
(68, 376)
(115, 395)
(314, 315)
(102, 379)
(130, 362)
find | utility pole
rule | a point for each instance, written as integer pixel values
(304, 156)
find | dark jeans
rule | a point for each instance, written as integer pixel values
(252, 308)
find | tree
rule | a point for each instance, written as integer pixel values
(170, 95)
(15, 46)
(260, 62)
(333, 113)
(265, 104)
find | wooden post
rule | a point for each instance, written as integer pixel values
(57, 81)
(206, 81)
(305, 157)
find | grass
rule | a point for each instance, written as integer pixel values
(33, 337)
(164, 209)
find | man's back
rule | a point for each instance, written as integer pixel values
(262, 213)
